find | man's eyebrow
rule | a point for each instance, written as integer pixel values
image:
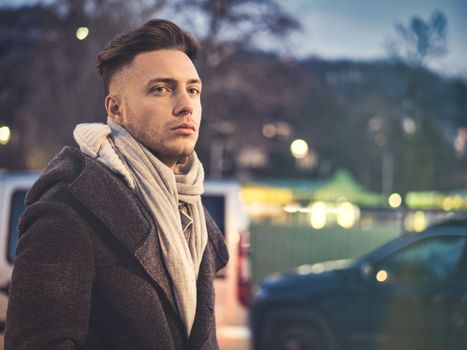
(171, 81)
(194, 81)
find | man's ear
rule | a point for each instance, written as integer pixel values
(113, 107)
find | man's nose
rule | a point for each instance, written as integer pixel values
(184, 104)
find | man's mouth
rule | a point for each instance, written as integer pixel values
(185, 126)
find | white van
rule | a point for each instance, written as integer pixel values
(232, 285)
(13, 188)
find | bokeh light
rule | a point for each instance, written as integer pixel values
(82, 33)
(318, 215)
(419, 221)
(299, 148)
(381, 276)
(269, 130)
(5, 135)
(395, 200)
(348, 214)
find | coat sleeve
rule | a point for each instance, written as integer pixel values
(50, 292)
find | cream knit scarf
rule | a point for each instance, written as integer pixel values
(161, 190)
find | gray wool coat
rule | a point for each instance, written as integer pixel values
(89, 273)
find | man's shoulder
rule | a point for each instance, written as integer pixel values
(70, 168)
(63, 169)
(87, 187)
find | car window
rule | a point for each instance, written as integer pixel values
(433, 260)
(215, 205)
(17, 208)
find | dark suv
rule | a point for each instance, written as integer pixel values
(409, 294)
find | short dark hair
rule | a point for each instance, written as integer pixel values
(156, 34)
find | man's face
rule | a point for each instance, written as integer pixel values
(159, 103)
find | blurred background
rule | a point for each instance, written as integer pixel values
(344, 122)
(354, 111)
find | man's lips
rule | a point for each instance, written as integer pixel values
(184, 126)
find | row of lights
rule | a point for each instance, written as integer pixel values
(447, 204)
(347, 214)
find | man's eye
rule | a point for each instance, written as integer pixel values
(159, 89)
(194, 91)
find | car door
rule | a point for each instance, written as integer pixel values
(405, 300)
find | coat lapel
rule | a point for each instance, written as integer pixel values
(117, 207)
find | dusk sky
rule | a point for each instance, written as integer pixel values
(358, 29)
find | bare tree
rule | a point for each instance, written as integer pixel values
(420, 40)
(417, 44)
(61, 88)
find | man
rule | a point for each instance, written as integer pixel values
(116, 250)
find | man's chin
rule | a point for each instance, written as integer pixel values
(177, 156)
(184, 156)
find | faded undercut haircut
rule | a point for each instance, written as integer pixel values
(156, 34)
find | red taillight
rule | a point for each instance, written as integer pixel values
(244, 274)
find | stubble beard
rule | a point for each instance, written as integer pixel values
(152, 140)
(162, 148)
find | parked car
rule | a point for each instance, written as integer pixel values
(411, 293)
(232, 285)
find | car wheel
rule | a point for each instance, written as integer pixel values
(297, 337)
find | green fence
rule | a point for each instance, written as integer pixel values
(279, 248)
